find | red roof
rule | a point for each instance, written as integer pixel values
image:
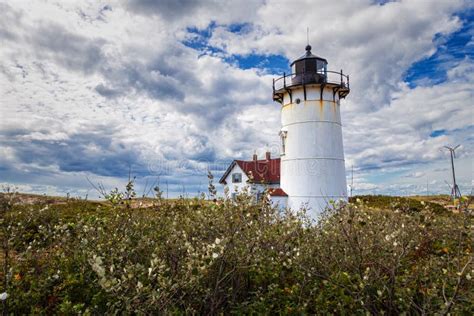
(261, 171)
(277, 192)
(258, 171)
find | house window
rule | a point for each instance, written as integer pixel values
(236, 178)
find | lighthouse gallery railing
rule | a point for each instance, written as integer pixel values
(320, 77)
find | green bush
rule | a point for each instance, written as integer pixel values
(198, 257)
(398, 203)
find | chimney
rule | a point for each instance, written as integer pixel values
(267, 155)
(255, 157)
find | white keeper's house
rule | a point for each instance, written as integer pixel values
(310, 171)
(255, 176)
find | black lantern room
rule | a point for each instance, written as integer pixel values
(309, 68)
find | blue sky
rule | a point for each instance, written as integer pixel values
(451, 50)
(170, 89)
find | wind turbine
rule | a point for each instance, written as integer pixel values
(455, 192)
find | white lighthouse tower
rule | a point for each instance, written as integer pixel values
(312, 154)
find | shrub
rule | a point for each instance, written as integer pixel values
(398, 203)
(200, 257)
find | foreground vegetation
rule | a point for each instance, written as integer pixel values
(194, 256)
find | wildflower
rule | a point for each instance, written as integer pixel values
(17, 277)
(468, 276)
(3, 296)
(215, 255)
(217, 241)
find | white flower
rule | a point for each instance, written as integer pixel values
(3, 296)
(217, 241)
(215, 255)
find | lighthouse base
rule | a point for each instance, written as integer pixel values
(314, 206)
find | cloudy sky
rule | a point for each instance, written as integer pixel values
(170, 88)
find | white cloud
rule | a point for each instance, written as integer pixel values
(91, 87)
(374, 44)
(399, 134)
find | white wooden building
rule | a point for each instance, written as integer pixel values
(254, 177)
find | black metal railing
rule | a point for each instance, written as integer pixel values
(319, 77)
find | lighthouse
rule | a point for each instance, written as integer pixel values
(312, 171)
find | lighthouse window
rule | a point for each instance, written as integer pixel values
(321, 67)
(236, 178)
(310, 66)
(283, 142)
(299, 67)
